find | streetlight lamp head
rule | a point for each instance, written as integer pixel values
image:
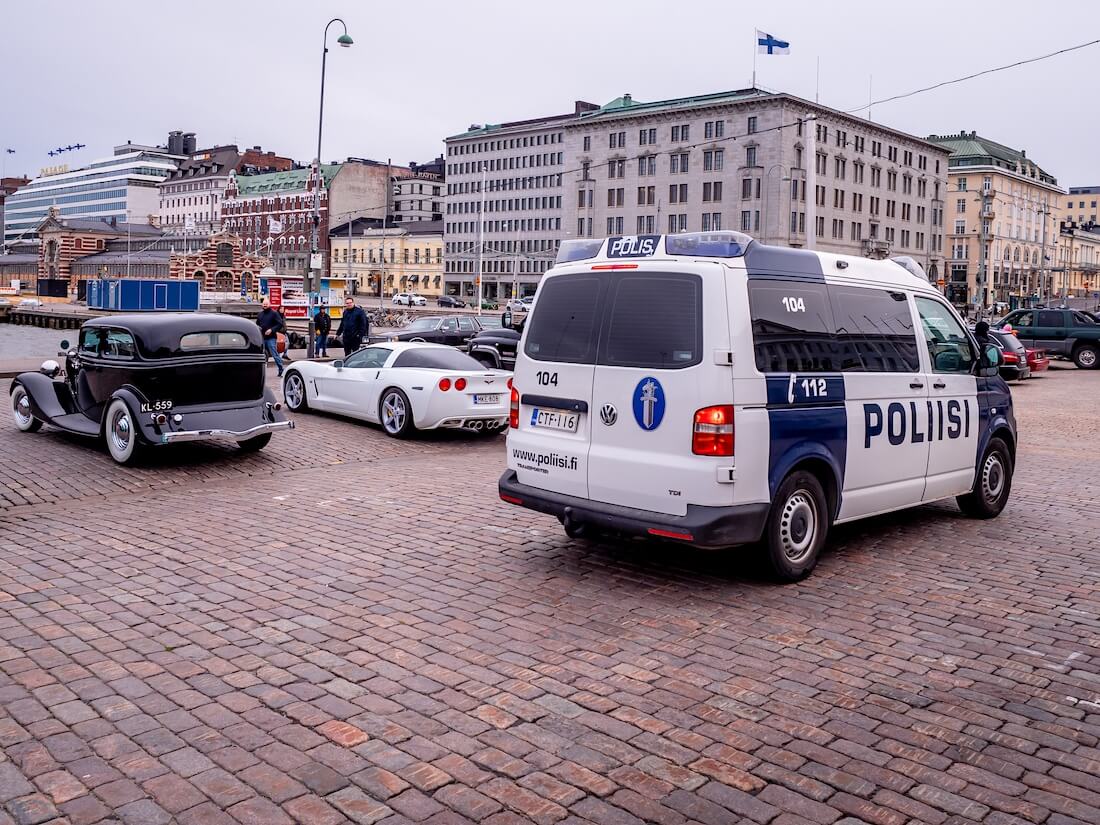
(344, 40)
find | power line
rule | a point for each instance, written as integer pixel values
(972, 76)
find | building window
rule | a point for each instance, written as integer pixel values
(713, 160)
(960, 206)
(680, 133)
(750, 156)
(678, 162)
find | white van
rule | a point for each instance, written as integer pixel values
(708, 389)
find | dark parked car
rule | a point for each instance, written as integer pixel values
(139, 381)
(439, 329)
(450, 301)
(1015, 366)
(495, 348)
(1063, 333)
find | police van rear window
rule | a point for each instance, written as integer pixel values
(638, 319)
(565, 328)
(801, 326)
(654, 321)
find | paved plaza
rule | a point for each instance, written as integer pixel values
(348, 628)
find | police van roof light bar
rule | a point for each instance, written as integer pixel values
(578, 250)
(725, 244)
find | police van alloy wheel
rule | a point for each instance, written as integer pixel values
(797, 526)
(294, 392)
(1086, 358)
(121, 432)
(254, 444)
(395, 413)
(21, 410)
(992, 483)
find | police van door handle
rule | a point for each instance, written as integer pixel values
(916, 385)
(939, 385)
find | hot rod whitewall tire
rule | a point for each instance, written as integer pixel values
(25, 421)
(121, 432)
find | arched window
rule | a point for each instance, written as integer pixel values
(1035, 257)
(223, 281)
(1016, 255)
(1008, 254)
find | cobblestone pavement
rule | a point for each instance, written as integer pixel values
(349, 628)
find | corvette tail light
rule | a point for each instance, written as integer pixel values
(513, 410)
(460, 384)
(444, 384)
(713, 431)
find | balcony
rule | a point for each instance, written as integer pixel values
(875, 247)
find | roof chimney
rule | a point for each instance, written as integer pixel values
(626, 97)
(189, 145)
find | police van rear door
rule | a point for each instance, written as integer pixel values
(663, 322)
(554, 371)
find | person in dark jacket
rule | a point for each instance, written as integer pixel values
(271, 324)
(353, 328)
(322, 323)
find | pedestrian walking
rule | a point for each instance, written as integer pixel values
(271, 324)
(322, 323)
(354, 326)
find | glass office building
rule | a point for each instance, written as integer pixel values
(108, 188)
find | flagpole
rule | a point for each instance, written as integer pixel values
(755, 49)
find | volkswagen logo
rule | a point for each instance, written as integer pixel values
(608, 414)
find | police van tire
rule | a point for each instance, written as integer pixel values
(797, 526)
(992, 483)
(1086, 357)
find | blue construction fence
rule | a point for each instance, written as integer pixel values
(140, 295)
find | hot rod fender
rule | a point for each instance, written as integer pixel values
(49, 399)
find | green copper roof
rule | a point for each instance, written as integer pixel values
(626, 103)
(970, 149)
(293, 180)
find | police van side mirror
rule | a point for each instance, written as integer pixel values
(992, 359)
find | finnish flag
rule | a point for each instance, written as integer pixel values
(770, 44)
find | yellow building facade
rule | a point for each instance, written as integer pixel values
(998, 198)
(403, 258)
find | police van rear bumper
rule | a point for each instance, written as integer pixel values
(701, 527)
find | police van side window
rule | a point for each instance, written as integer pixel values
(874, 329)
(653, 320)
(948, 344)
(792, 326)
(565, 328)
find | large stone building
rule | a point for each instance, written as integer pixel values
(1077, 274)
(191, 197)
(122, 187)
(729, 160)
(1003, 213)
(8, 186)
(274, 212)
(403, 257)
(521, 164)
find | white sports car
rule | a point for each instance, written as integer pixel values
(404, 386)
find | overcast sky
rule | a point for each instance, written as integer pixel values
(102, 73)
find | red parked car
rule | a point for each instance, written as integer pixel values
(1037, 360)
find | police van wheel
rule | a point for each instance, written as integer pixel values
(797, 526)
(992, 483)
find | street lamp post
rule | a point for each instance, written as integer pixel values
(315, 285)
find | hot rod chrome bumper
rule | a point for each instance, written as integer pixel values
(235, 435)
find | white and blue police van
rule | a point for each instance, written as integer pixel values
(711, 390)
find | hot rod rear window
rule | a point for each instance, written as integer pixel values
(213, 340)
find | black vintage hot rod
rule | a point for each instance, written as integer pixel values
(138, 381)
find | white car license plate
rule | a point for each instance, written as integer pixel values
(555, 420)
(482, 398)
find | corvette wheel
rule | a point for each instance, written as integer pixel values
(395, 413)
(21, 410)
(294, 392)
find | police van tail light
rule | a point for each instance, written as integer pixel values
(513, 410)
(713, 433)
